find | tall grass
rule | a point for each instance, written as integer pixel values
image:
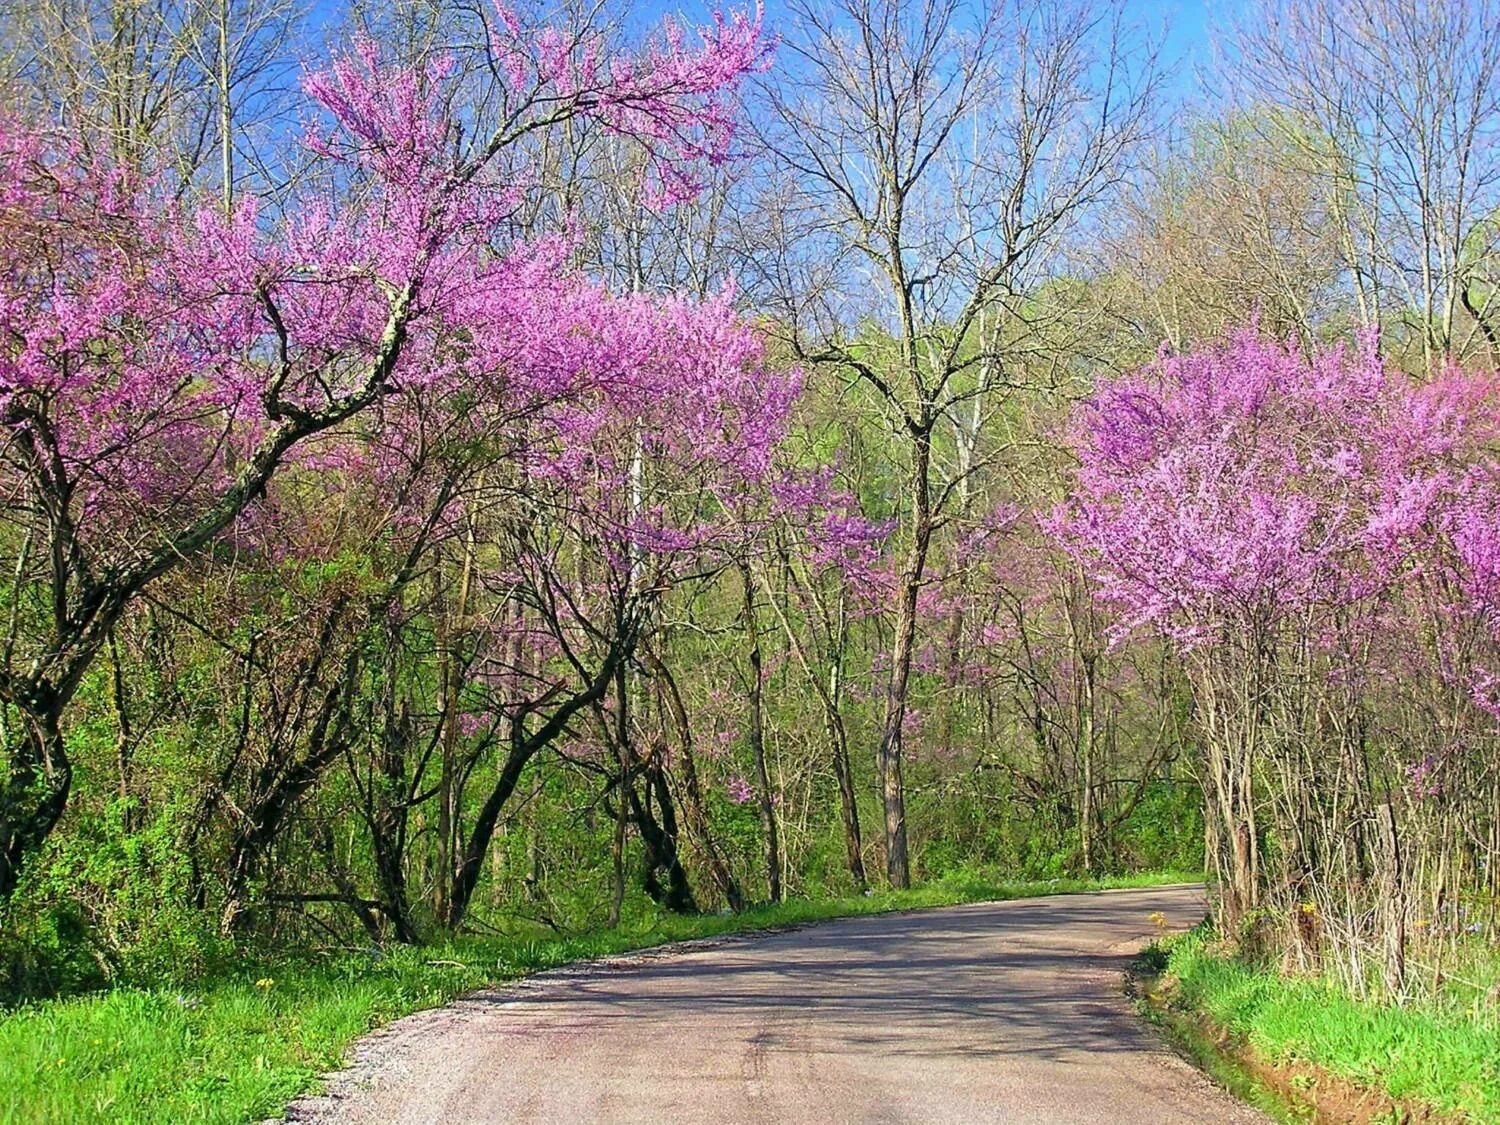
(1444, 1054)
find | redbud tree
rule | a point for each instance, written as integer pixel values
(161, 365)
(1314, 535)
(615, 496)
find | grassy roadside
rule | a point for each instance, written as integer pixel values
(239, 1048)
(1298, 1047)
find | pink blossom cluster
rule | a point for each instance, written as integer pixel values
(151, 348)
(1254, 493)
(1252, 479)
(680, 133)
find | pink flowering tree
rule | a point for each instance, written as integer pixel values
(1274, 515)
(161, 367)
(616, 497)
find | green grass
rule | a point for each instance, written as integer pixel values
(1444, 1057)
(239, 1048)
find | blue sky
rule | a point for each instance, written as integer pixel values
(1191, 21)
(1189, 42)
(1187, 47)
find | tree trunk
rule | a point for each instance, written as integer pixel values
(33, 796)
(659, 838)
(758, 741)
(523, 747)
(829, 695)
(892, 787)
(388, 820)
(277, 788)
(692, 790)
(124, 738)
(617, 850)
(838, 743)
(838, 740)
(622, 815)
(450, 676)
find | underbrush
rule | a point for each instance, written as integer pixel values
(239, 1044)
(1443, 1053)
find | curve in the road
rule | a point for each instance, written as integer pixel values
(998, 1012)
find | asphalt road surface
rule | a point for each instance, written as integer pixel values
(1008, 1011)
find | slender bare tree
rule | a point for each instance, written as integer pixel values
(1395, 104)
(1223, 228)
(131, 77)
(927, 162)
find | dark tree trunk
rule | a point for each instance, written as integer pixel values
(34, 793)
(466, 878)
(692, 790)
(277, 787)
(843, 772)
(766, 801)
(524, 746)
(830, 695)
(659, 837)
(622, 778)
(388, 820)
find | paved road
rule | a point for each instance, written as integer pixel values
(999, 1012)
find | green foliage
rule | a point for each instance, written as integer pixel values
(237, 1046)
(108, 905)
(1443, 1055)
(45, 951)
(1165, 830)
(990, 825)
